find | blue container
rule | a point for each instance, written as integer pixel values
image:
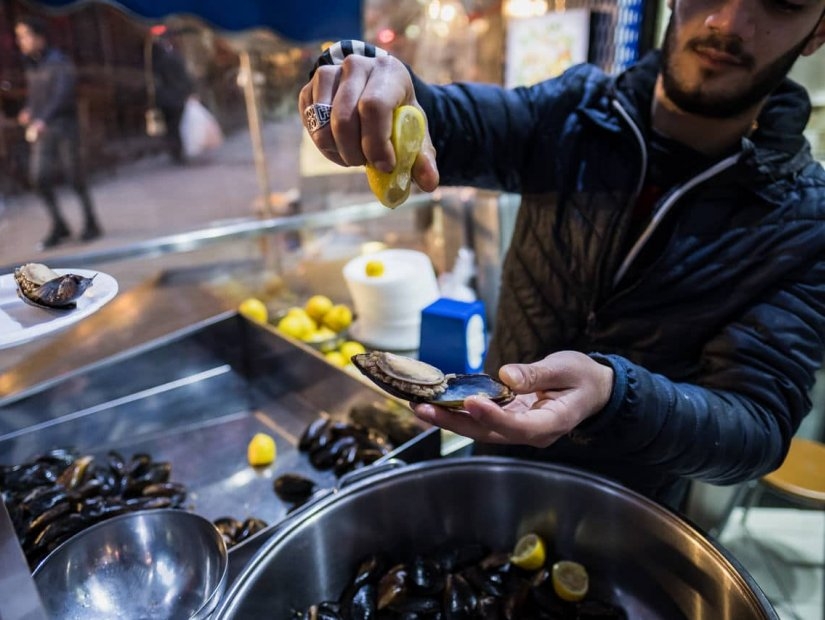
(453, 335)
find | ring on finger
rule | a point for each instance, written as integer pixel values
(317, 116)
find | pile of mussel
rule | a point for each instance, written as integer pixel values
(456, 581)
(235, 531)
(342, 446)
(61, 492)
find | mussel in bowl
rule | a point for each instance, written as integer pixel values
(40, 286)
(419, 382)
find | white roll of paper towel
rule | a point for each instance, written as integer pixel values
(388, 306)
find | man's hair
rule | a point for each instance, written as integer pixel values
(36, 24)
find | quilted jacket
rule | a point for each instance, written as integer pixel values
(714, 340)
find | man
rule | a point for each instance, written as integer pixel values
(662, 308)
(50, 119)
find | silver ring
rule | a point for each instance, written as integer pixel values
(316, 116)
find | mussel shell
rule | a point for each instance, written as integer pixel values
(39, 286)
(454, 387)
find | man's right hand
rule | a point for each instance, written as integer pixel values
(363, 93)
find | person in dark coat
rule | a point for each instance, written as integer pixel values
(173, 86)
(50, 119)
(662, 304)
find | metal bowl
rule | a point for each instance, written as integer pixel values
(150, 564)
(646, 558)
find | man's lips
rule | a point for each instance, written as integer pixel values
(715, 56)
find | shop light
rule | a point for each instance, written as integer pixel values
(524, 8)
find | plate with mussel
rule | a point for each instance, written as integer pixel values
(36, 300)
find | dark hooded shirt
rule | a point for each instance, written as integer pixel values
(51, 86)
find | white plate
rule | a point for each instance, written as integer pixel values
(20, 322)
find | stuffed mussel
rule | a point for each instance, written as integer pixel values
(418, 382)
(39, 286)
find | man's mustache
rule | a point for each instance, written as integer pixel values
(727, 45)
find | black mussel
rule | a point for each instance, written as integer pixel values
(418, 382)
(312, 433)
(346, 461)
(393, 587)
(229, 527)
(138, 465)
(293, 488)
(362, 606)
(250, 527)
(326, 610)
(39, 286)
(42, 498)
(426, 575)
(460, 601)
(454, 557)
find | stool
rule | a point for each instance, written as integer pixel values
(800, 479)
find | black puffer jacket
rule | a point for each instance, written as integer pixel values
(715, 340)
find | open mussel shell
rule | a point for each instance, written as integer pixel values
(39, 286)
(415, 381)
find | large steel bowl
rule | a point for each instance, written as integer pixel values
(647, 559)
(154, 564)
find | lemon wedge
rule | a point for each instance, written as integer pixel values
(408, 127)
(261, 450)
(570, 580)
(529, 552)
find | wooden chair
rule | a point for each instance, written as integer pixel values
(800, 480)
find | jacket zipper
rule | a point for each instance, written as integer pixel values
(664, 208)
(669, 202)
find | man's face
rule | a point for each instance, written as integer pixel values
(28, 42)
(722, 57)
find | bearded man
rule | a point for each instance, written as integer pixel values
(662, 304)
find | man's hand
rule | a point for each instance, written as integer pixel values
(24, 116)
(363, 93)
(554, 396)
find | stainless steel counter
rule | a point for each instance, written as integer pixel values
(194, 398)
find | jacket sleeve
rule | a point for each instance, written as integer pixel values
(735, 422)
(62, 75)
(495, 138)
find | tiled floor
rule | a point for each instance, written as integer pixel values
(785, 555)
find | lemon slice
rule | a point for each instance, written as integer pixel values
(570, 580)
(408, 127)
(529, 552)
(261, 450)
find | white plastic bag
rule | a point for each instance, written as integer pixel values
(199, 131)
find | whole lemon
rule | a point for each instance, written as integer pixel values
(338, 318)
(374, 268)
(254, 309)
(296, 325)
(350, 348)
(317, 306)
(336, 359)
(261, 450)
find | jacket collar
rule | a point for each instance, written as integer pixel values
(776, 149)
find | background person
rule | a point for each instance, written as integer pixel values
(173, 87)
(662, 305)
(50, 119)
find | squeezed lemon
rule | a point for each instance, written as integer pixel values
(570, 580)
(529, 552)
(408, 127)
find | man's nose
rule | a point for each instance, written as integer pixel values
(732, 18)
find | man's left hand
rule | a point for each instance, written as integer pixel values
(554, 396)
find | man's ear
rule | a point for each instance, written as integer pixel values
(817, 38)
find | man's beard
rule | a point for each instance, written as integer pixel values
(699, 101)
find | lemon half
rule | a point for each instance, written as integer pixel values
(408, 127)
(529, 552)
(570, 580)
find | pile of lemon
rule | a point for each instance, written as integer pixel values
(323, 323)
